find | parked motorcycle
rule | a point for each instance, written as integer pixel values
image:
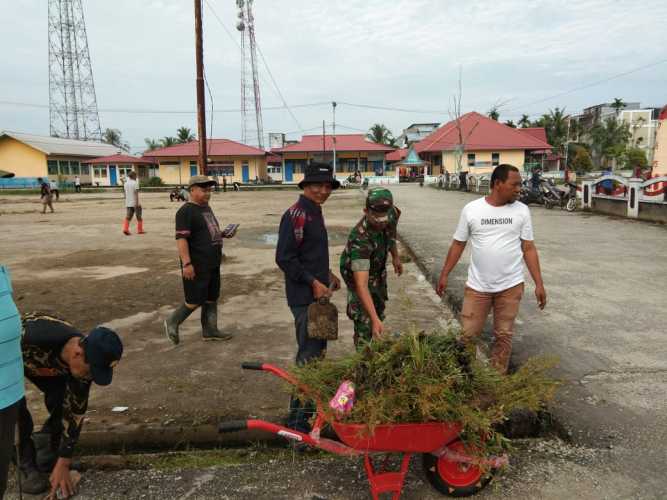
(565, 197)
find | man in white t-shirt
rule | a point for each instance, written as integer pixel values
(132, 205)
(501, 234)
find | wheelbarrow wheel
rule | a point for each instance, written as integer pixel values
(455, 479)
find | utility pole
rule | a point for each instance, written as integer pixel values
(333, 104)
(201, 109)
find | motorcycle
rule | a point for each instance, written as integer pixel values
(565, 197)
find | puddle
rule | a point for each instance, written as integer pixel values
(92, 272)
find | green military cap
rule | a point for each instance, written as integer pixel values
(379, 199)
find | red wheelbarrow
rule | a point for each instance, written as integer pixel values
(447, 464)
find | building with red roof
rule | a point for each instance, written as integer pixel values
(486, 144)
(236, 161)
(354, 152)
(111, 170)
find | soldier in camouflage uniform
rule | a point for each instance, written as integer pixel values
(62, 363)
(363, 264)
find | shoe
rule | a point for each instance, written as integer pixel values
(126, 227)
(33, 482)
(140, 227)
(174, 320)
(209, 323)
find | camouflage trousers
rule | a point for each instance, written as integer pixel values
(362, 321)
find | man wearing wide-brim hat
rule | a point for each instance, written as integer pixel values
(303, 255)
(199, 242)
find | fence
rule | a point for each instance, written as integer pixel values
(474, 183)
(634, 198)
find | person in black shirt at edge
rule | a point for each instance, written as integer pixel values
(199, 242)
(303, 255)
(62, 363)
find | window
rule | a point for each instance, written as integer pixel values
(274, 170)
(100, 172)
(63, 167)
(437, 160)
(124, 170)
(75, 168)
(495, 159)
(52, 167)
(85, 170)
(471, 159)
(170, 163)
(221, 169)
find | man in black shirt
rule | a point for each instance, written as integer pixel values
(62, 363)
(199, 242)
(303, 255)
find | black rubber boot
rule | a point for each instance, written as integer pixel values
(46, 454)
(174, 320)
(209, 323)
(33, 482)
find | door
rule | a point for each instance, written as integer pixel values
(113, 176)
(193, 170)
(245, 173)
(289, 170)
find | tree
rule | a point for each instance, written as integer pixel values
(167, 141)
(524, 122)
(555, 125)
(184, 134)
(636, 125)
(113, 136)
(635, 157)
(152, 144)
(618, 105)
(609, 139)
(582, 161)
(510, 123)
(455, 114)
(380, 134)
(493, 113)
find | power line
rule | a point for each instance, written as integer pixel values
(391, 108)
(592, 84)
(144, 111)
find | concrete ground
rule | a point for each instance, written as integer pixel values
(77, 263)
(605, 319)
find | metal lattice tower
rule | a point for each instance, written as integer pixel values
(72, 102)
(251, 102)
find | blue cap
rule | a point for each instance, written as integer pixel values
(103, 350)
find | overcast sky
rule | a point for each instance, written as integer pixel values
(400, 54)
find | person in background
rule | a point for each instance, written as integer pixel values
(11, 374)
(53, 185)
(132, 204)
(77, 184)
(45, 195)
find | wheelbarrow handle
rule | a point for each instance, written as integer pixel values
(233, 426)
(252, 365)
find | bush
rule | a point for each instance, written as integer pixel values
(154, 182)
(582, 161)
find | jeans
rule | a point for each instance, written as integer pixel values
(300, 412)
(476, 307)
(7, 423)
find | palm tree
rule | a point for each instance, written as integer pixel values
(524, 122)
(555, 125)
(493, 113)
(618, 105)
(184, 134)
(510, 123)
(113, 136)
(167, 141)
(609, 139)
(380, 134)
(152, 144)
